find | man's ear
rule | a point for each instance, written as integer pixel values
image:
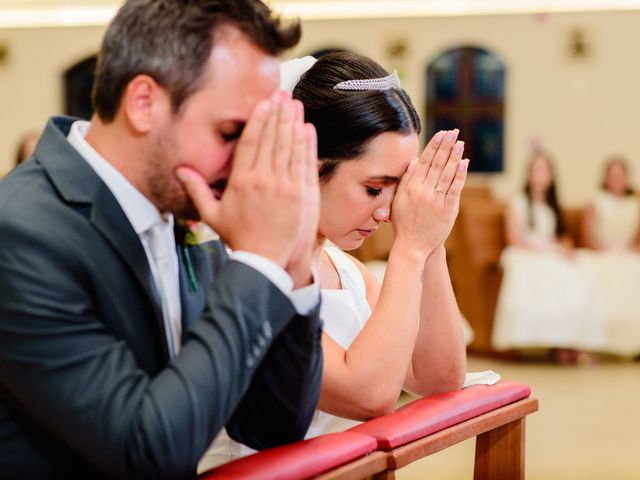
(145, 103)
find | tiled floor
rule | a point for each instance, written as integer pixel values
(588, 425)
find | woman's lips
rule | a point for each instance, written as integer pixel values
(366, 232)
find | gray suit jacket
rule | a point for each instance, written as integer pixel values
(87, 388)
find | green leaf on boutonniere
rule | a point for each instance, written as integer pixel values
(193, 281)
(186, 237)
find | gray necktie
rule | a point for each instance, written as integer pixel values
(162, 246)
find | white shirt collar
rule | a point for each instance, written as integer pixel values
(140, 212)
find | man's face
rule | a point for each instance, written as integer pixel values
(203, 134)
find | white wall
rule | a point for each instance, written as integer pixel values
(31, 81)
(582, 110)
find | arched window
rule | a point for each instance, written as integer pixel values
(465, 90)
(78, 83)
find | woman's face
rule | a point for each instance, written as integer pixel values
(540, 175)
(357, 197)
(615, 180)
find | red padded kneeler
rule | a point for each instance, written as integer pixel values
(431, 414)
(297, 460)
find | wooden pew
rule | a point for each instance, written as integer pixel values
(375, 449)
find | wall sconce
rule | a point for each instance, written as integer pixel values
(397, 49)
(579, 47)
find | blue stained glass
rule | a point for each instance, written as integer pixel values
(488, 136)
(465, 89)
(488, 76)
(444, 76)
(78, 83)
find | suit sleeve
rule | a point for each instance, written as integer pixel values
(284, 392)
(283, 395)
(61, 366)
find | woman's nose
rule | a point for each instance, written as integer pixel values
(382, 214)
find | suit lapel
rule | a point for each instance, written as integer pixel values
(82, 188)
(111, 221)
(194, 300)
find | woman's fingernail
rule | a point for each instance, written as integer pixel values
(457, 150)
(439, 136)
(452, 135)
(462, 166)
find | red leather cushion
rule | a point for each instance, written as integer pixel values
(298, 460)
(431, 414)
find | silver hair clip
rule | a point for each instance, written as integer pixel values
(384, 83)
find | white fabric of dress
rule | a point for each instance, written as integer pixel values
(344, 313)
(616, 219)
(545, 300)
(615, 272)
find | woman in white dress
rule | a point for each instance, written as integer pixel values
(544, 300)
(407, 332)
(611, 229)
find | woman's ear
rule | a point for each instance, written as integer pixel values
(145, 103)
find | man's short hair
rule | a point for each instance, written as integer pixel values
(171, 41)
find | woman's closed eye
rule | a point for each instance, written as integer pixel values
(373, 192)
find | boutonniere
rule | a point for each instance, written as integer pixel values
(190, 233)
(186, 237)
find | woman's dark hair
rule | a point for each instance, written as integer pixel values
(171, 41)
(348, 120)
(622, 163)
(550, 198)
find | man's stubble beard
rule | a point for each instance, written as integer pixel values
(167, 193)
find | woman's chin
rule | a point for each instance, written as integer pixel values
(347, 244)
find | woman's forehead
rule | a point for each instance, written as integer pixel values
(387, 156)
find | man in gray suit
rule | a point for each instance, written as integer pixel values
(124, 348)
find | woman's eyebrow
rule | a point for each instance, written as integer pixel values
(385, 178)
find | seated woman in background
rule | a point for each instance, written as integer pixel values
(544, 300)
(534, 219)
(407, 333)
(611, 227)
(612, 221)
